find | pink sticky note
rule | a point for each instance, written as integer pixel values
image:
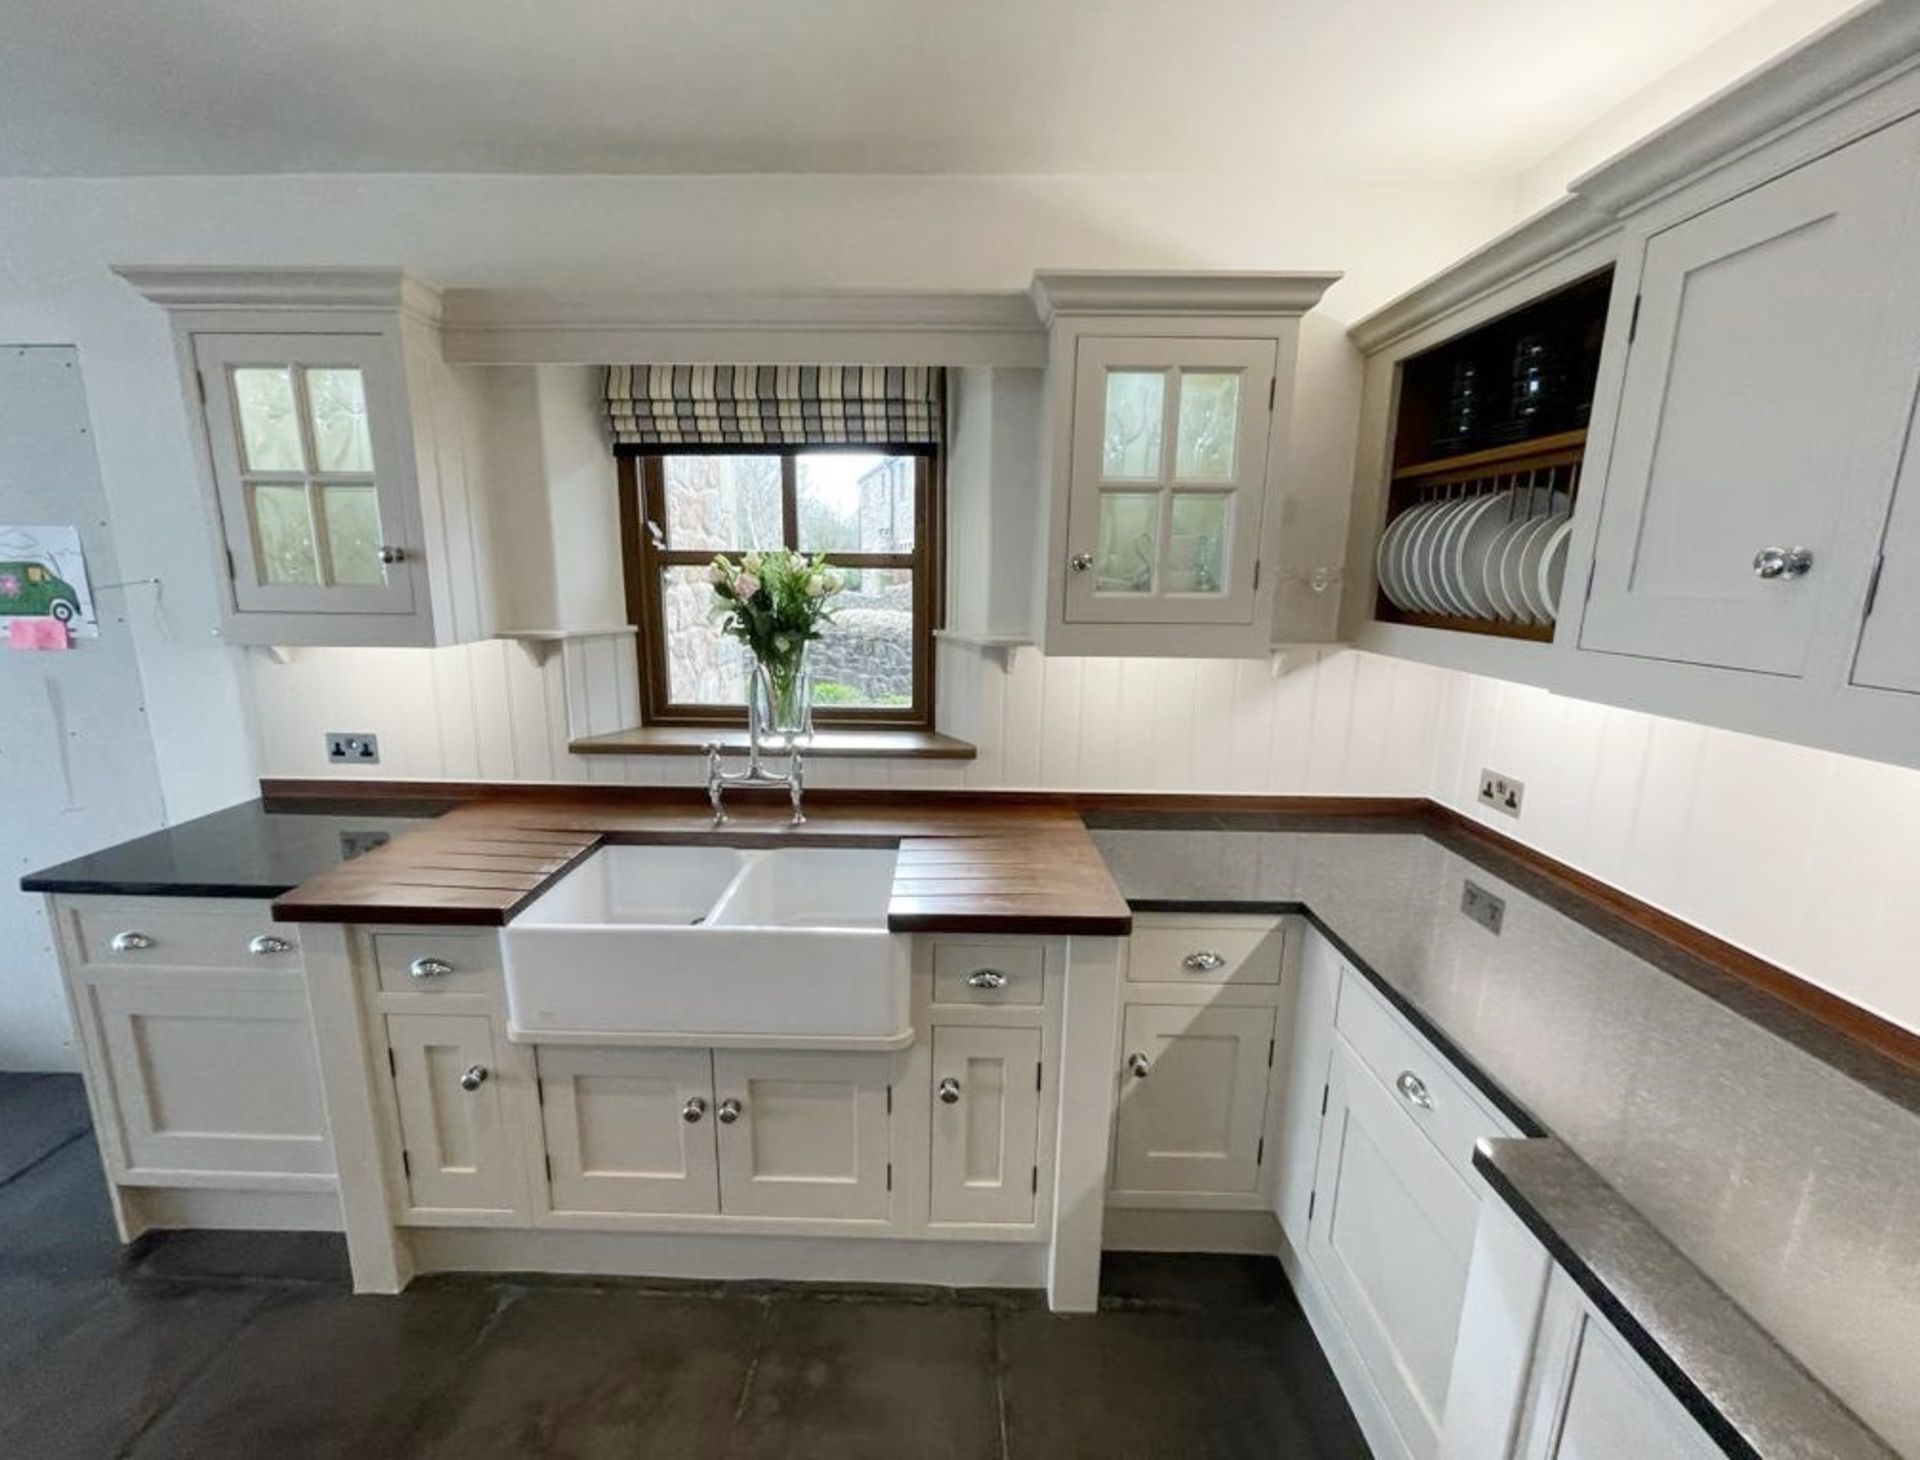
(37, 633)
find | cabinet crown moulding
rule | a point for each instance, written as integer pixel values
(1130, 291)
(214, 286)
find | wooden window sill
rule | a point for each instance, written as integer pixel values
(851, 742)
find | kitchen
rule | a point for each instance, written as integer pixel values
(1400, 813)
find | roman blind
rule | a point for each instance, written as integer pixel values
(652, 406)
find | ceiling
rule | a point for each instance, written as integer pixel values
(1378, 89)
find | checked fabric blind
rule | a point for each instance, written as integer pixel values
(653, 406)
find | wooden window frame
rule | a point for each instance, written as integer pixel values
(642, 485)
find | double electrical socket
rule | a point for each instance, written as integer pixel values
(1502, 793)
(346, 747)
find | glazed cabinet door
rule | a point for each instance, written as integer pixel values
(1766, 393)
(1193, 1100)
(451, 1128)
(986, 1124)
(804, 1134)
(629, 1130)
(1391, 1238)
(308, 435)
(1168, 479)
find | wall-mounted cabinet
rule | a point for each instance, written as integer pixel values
(340, 455)
(1169, 401)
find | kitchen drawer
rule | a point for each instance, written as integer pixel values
(180, 933)
(471, 962)
(962, 973)
(1422, 1081)
(1205, 950)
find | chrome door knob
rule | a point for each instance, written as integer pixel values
(1080, 562)
(1139, 1066)
(949, 1091)
(1203, 960)
(728, 1112)
(473, 1077)
(391, 555)
(429, 968)
(986, 978)
(693, 1110)
(1777, 562)
(267, 944)
(130, 942)
(1413, 1090)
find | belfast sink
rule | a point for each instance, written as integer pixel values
(690, 944)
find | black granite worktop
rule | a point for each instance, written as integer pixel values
(246, 851)
(1774, 1162)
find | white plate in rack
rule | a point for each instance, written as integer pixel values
(1446, 581)
(1426, 558)
(1412, 556)
(1493, 579)
(1532, 548)
(1552, 572)
(1469, 547)
(1385, 568)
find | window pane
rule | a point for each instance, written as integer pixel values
(1129, 529)
(338, 399)
(726, 503)
(269, 434)
(1196, 547)
(1209, 424)
(353, 533)
(704, 667)
(1130, 444)
(865, 658)
(855, 502)
(284, 528)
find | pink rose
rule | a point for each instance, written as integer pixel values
(746, 585)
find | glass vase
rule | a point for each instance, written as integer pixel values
(780, 700)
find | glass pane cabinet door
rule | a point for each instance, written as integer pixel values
(308, 471)
(1168, 475)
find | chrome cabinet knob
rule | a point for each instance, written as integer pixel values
(986, 978)
(130, 942)
(729, 1111)
(1139, 1066)
(1413, 1090)
(391, 555)
(267, 944)
(429, 968)
(1203, 960)
(949, 1091)
(473, 1077)
(693, 1110)
(1080, 562)
(1777, 562)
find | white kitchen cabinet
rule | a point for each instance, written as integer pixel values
(985, 1124)
(1192, 1105)
(1390, 1243)
(1169, 399)
(1306, 1044)
(804, 1134)
(1768, 386)
(340, 454)
(210, 1073)
(629, 1130)
(457, 1159)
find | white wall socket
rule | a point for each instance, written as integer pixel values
(1502, 793)
(345, 747)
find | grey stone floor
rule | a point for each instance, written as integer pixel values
(199, 1346)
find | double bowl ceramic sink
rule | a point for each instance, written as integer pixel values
(647, 944)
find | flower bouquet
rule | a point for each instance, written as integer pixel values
(776, 603)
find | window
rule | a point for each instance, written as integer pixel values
(871, 509)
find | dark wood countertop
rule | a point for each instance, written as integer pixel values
(995, 867)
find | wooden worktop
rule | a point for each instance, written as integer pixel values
(991, 868)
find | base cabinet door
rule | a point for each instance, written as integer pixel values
(457, 1157)
(210, 1073)
(1193, 1100)
(629, 1130)
(1391, 1239)
(985, 1124)
(804, 1134)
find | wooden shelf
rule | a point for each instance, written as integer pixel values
(1561, 449)
(829, 743)
(1386, 613)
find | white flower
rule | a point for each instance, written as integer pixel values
(816, 585)
(746, 585)
(751, 562)
(835, 580)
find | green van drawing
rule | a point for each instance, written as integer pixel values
(33, 590)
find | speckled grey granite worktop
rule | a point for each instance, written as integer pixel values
(1789, 1179)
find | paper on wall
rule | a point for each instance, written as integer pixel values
(43, 575)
